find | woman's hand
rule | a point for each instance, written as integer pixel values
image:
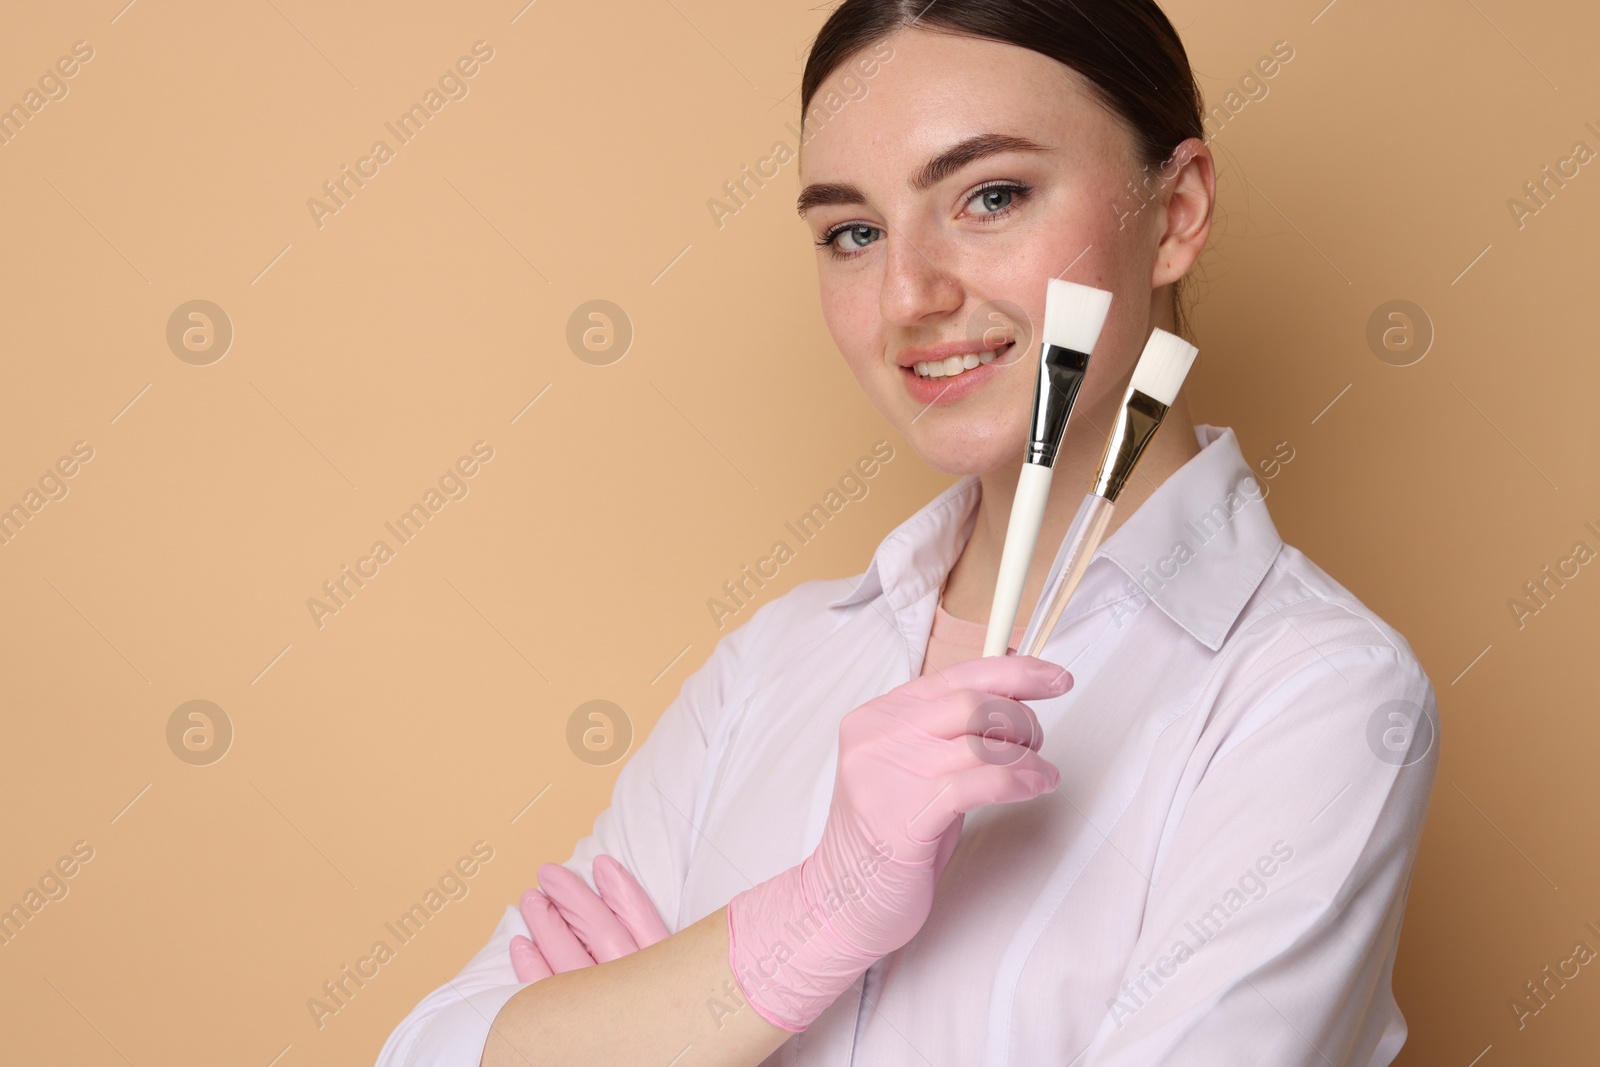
(572, 927)
(911, 763)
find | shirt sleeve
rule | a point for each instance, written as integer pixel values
(1274, 912)
(647, 828)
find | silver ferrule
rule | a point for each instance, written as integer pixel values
(1138, 421)
(1061, 372)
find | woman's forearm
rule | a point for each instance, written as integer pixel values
(646, 1007)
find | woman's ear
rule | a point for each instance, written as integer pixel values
(1185, 217)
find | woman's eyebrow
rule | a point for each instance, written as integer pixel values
(941, 166)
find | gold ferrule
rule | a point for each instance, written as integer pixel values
(1141, 417)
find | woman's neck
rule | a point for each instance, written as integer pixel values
(969, 589)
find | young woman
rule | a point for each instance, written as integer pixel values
(849, 840)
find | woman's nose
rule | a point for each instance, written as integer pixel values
(915, 285)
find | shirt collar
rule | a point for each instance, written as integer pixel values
(1198, 546)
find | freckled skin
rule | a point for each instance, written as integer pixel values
(933, 261)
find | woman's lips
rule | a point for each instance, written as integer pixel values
(930, 391)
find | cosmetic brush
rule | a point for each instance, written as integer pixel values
(1073, 316)
(1157, 377)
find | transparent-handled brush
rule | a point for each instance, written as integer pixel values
(1157, 377)
(1072, 559)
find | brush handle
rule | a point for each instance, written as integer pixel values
(1022, 533)
(1077, 548)
(1052, 579)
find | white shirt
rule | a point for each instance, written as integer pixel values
(1246, 758)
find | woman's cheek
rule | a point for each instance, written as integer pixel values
(853, 329)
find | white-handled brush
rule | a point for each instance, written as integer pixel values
(1073, 317)
(1157, 378)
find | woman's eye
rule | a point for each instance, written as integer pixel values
(997, 199)
(849, 239)
(994, 199)
(858, 237)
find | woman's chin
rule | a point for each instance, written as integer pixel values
(957, 457)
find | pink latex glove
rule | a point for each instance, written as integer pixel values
(911, 763)
(572, 927)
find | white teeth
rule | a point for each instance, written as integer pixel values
(946, 368)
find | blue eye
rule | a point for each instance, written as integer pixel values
(995, 199)
(857, 232)
(999, 198)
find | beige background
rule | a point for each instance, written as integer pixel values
(372, 351)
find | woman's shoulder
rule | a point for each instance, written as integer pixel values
(1304, 631)
(1303, 598)
(795, 618)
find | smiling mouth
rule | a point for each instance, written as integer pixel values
(935, 370)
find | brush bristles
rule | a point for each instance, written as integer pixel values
(1073, 315)
(1163, 366)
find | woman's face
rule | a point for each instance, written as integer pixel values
(962, 261)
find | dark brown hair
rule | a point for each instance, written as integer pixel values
(1126, 49)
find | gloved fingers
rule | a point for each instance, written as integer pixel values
(982, 718)
(557, 943)
(526, 961)
(1017, 677)
(997, 722)
(936, 760)
(585, 914)
(1006, 783)
(975, 787)
(627, 899)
